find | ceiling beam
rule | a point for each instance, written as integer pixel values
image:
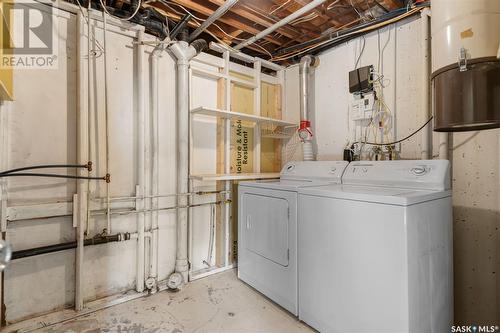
(229, 20)
(262, 19)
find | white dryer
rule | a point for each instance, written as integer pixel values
(267, 228)
(375, 253)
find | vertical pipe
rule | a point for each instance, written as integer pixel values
(183, 53)
(91, 126)
(182, 164)
(141, 157)
(4, 146)
(426, 150)
(191, 185)
(444, 139)
(106, 113)
(83, 157)
(257, 110)
(154, 110)
(305, 133)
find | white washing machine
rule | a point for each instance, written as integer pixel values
(267, 228)
(375, 253)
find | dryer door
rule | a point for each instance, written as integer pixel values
(267, 243)
(266, 227)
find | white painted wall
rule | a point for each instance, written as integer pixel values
(475, 156)
(42, 130)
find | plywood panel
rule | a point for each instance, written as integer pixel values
(270, 106)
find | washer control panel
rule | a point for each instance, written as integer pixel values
(417, 174)
(330, 171)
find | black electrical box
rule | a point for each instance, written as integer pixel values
(361, 80)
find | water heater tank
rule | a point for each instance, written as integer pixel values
(466, 64)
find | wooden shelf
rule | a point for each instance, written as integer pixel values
(237, 115)
(236, 176)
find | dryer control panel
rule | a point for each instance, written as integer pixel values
(415, 174)
(330, 171)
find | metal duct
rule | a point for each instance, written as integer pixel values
(305, 132)
(466, 64)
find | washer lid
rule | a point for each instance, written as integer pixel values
(376, 194)
(417, 174)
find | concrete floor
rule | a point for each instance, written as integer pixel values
(220, 303)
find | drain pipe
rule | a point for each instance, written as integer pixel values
(183, 52)
(305, 134)
(426, 150)
(152, 281)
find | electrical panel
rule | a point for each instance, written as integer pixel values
(362, 106)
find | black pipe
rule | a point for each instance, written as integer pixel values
(2, 175)
(183, 35)
(69, 245)
(180, 25)
(153, 21)
(87, 166)
(42, 250)
(199, 45)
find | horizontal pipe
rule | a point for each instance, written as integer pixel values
(87, 166)
(310, 6)
(245, 57)
(162, 195)
(212, 18)
(69, 245)
(48, 175)
(134, 211)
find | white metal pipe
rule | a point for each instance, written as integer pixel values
(91, 128)
(83, 157)
(277, 25)
(154, 110)
(245, 57)
(305, 132)
(183, 52)
(444, 145)
(141, 161)
(212, 18)
(426, 149)
(106, 113)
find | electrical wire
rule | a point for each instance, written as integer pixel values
(197, 20)
(360, 53)
(310, 48)
(51, 176)
(400, 140)
(279, 7)
(47, 166)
